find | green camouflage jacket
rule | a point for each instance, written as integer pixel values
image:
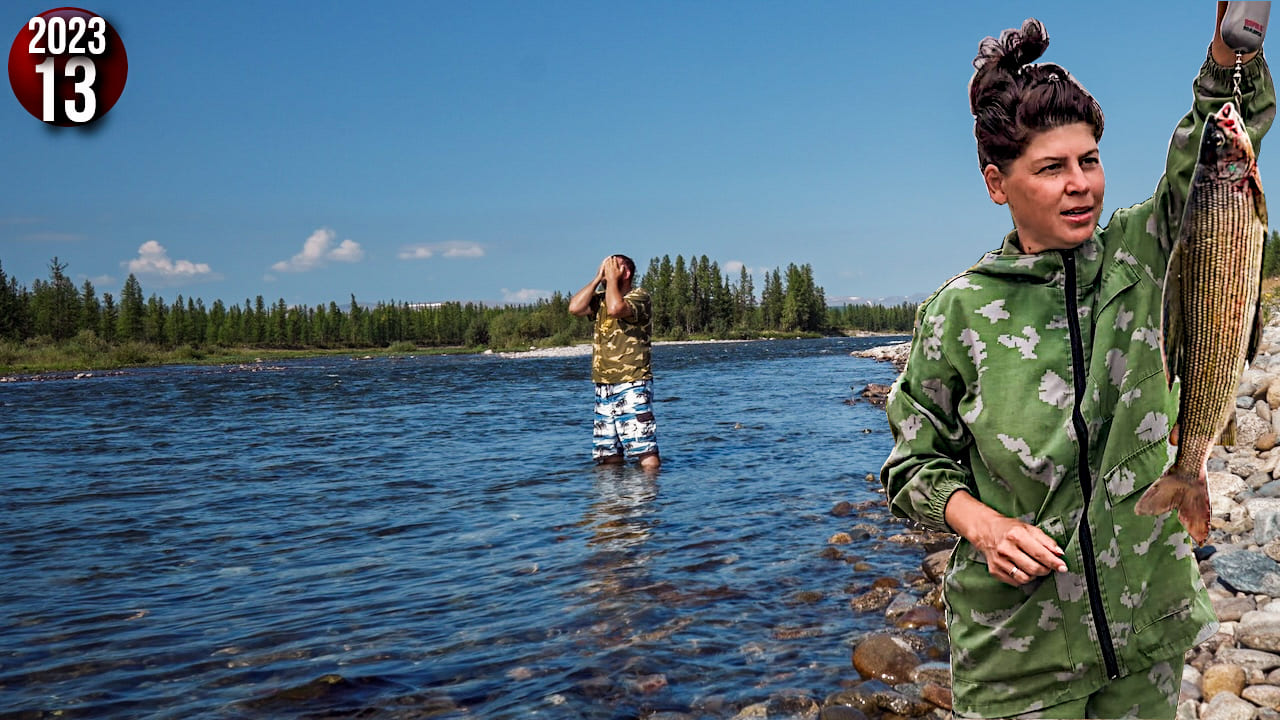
(1035, 382)
(621, 347)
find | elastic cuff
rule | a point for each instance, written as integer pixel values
(1222, 75)
(942, 492)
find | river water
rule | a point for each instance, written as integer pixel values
(416, 537)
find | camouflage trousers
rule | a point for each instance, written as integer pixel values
(1150, 694)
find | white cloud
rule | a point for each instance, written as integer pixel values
(732, 266)
(347, 251)
(318, 250)
(524, 296)
(153, 260)
(452, 249)
(463, 250)
(416, 252)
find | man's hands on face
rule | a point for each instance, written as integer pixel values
(612, 268)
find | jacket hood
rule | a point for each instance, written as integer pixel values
(1047, 267)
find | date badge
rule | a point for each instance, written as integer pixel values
(68, 66)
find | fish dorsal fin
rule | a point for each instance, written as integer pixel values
(1259, 323)
(1171, 316)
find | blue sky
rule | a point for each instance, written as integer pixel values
(496, 151)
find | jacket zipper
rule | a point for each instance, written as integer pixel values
(1086, 479)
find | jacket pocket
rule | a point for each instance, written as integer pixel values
(1138, 449)
(1117, 277)
(1004, 633)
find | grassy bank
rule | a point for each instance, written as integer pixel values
(87, 352)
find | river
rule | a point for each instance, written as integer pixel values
(425, 536)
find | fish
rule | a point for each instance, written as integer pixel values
(1211, 319)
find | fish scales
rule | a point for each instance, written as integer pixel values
(1212, 291)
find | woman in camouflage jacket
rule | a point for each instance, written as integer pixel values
(1034, 411)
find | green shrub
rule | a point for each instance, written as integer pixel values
(87, 346)
(130, 353)
(562, 338)
(188, 352)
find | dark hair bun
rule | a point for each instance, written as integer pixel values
(1015, 48)
(1012, 99)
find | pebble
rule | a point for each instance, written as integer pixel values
(1260, 630)
(1234, 675)
(884, 657)
(1191, 682)
(874, 599)
(1267, 696)
(1232, 608)
(1226, 706)
(1221, 678)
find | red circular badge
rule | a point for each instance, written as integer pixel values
(67, 66)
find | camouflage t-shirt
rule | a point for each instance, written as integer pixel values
(621, 352)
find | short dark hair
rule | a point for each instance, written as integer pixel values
(1013, 100)
(631, 264)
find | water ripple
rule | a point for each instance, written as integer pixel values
(426, 536)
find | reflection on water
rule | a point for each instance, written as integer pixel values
(620, 518)
(410, 537)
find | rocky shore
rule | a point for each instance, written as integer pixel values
(1234, 675)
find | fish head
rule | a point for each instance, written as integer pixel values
(1225, 148)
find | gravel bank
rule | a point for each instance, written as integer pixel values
(1235, 675)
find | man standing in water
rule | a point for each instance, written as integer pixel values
(620, 365)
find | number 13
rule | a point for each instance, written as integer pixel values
(84, 88)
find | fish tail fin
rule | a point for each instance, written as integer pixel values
(1186, 493)
(1164, 494)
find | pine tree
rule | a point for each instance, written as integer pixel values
(175, 326)
(90, 309)
(110, 319)
(260, 320)
(771, 300)
(744, 297)
(197, 321)
(215, 326)
(56, 304)
(681, 297)
(154, 321)
(11, 308)
(132, 311)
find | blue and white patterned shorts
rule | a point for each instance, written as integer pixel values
(624, 420)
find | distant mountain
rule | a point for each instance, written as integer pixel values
(889, 301)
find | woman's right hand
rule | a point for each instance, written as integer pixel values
(1016, 552)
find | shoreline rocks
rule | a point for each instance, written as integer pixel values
(895, 353)
(903, 668)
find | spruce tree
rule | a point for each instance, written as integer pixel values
(132, 310)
